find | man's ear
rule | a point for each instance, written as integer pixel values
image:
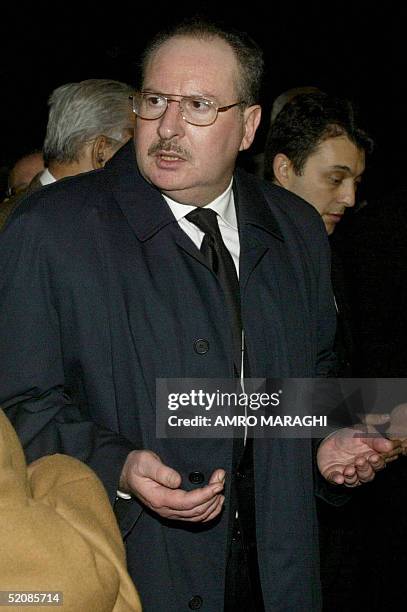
(100, 152)
(252, 116)
(282, 169)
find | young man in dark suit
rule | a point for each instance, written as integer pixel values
(316, 149)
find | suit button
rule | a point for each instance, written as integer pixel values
(196, 477)
(195, 603)
(201, 346)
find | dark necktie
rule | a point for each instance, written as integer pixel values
(221, 263)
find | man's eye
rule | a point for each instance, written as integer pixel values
(154, 100)
(200, 106)
(335, 180)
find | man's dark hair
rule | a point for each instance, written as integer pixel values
(248, 54)
(307, 121)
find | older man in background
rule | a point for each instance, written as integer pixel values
(87, 123)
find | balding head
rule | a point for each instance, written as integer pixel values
(23, 172)
(289, 95)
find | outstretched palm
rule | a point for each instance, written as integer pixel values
(352, 456)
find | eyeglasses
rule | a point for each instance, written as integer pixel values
(194, 110)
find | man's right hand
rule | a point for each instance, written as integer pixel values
(157, 486)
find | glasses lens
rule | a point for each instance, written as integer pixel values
(149, 106)
(198, 111)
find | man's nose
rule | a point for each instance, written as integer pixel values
(171, 123)
(348, 195)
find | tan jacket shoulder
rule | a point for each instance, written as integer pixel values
(60, 532)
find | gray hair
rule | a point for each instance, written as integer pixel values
(80, 112)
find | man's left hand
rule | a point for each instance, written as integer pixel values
(352, 456)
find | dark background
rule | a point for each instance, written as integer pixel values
(350, 50)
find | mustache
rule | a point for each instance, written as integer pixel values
(169, 147)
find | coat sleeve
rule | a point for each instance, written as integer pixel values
(33, 389)
(329, 393)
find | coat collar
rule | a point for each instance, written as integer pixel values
(251, 204)
(149, 213)
(141, 203)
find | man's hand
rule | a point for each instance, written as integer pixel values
(157, 486)
(398, 426)
(351, 456)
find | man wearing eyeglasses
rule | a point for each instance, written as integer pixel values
(123, 287)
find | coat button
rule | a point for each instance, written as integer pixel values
(195, 603)
(196, 477)
(201, 346)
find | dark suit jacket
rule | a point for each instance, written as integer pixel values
(101, 294)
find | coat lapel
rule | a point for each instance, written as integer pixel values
(148, 213)
(142, 204)
(258, 228)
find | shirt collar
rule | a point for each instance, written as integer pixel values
(46, 177)
(223, 205)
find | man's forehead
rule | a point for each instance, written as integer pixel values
(340, 153)
(209, 63)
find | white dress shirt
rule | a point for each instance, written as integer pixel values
(224, 205)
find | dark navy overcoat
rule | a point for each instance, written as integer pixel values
(101, 293)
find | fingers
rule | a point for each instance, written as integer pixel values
(157, 486)
(168, 502)
(374, 419)
(351, 475)
(380, 444)
(361, 471)
(206, 511)
(394, 453)
(151, 466)
(335, 477)
(217, 510)
(348, 480)
(366, 467)
(146, 465)
(200, 513)
(218, 476)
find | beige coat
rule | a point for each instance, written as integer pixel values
(58, 532)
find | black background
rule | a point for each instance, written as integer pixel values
(357, 51)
